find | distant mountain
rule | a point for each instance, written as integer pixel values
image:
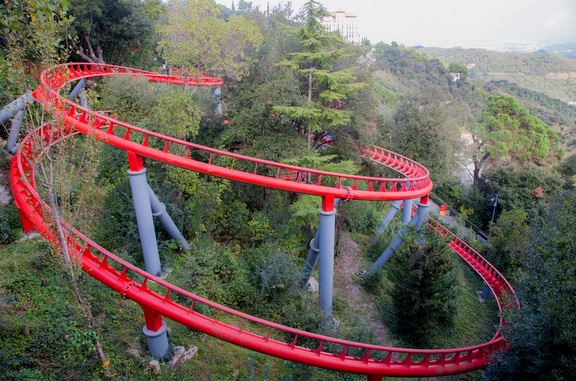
(551, 74)
(566, 49)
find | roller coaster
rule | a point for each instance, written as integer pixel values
(167, 300)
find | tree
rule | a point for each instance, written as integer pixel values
(326, 89)
(31, 38)
(423, 130)
(165, 109)
(113, 31)
(542, 335)
(527, 187)
(509, 236)
(510, 133)
(194, 39)
(423, 290)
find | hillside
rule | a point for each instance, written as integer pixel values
(550, 74)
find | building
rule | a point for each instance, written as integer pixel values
(344, 22)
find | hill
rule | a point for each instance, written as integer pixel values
(551, 74)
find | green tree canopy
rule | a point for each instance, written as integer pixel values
(510, 133)
(327, 89)
(195, 39)
(542, 335)
(113, 31)
(423, 130)
(423, 290)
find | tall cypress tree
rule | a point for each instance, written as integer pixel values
(326, 88)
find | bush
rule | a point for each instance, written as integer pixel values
(362, 217)
(10, 228)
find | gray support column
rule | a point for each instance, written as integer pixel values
(326, 265)
(218, 99)
(407, 211)
(157, 341)
(390, 215)
(422, 214)
(15, 131)
(159, 211)
(13, 107)
(312, 257)
(396, 242)
(311, 260)
(418, 220)
(145, 221)
(84, 100)
(77, 89)
(486, 292)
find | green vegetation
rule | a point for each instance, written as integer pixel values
(285, 76)
(545, 73)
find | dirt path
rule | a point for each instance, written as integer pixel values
(347, 285)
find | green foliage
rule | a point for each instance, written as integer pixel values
(214, 272)
(194, 39)
(541, 335)
(533, 71)
(41, 329)
(31, 38)
(423, 130)
(567, 169)
(510, 131)
(361, 217)
(326, 88)
(552, 111)
(423, 291)
(161, 108)
(10, 225)
(115, 31)
(518, 188)
(508, 236)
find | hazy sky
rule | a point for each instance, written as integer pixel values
(448, 23)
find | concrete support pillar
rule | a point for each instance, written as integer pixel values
(77, 89)
(218, 100)
(326, 266)
(407, 211)
(159, 211)
(312, 257)
(143, 209)
(311, 260)
(84, 100)
(418, 220)
(155, 331)
(486, 292)
(392, 247)
(13, 107)
(15, 131)
(390, 215)
(422, 213)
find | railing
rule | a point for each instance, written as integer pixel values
(217, 320)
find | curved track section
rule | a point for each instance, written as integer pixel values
(222, 322)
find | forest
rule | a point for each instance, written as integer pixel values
(501, 153)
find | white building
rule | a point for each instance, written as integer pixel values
(344, 22)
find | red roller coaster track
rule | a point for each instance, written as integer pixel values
(225, 323)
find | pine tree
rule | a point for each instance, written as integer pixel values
(423, 287)
(326, 89)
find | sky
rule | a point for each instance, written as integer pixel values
(453, 23)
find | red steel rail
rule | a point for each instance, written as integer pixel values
(223, 322)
